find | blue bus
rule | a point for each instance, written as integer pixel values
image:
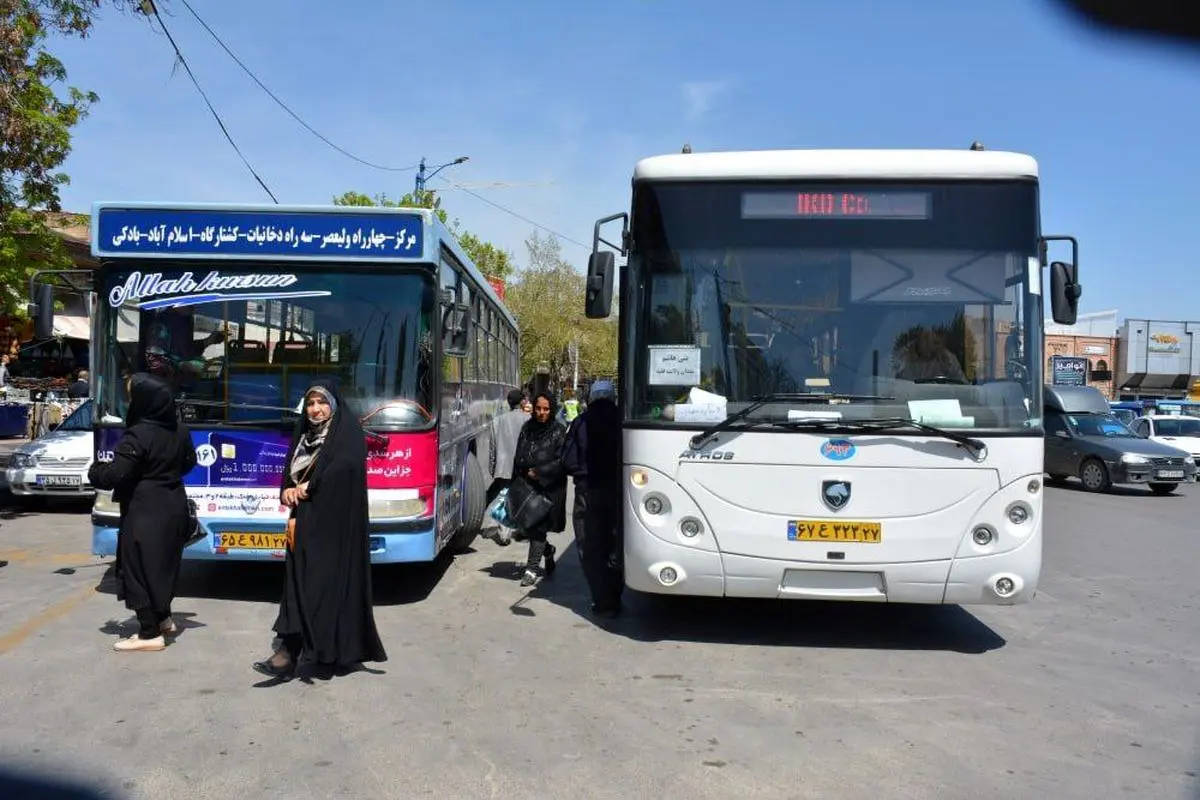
(241, 308)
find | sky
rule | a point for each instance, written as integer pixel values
(555, 102)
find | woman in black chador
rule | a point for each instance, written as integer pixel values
(326, 613)
(146, 478)
(538, 469)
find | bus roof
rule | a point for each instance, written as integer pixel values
(832, 164)
(312, 233)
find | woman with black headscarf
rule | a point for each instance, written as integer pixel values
(146, 478)
(537, 496)
(326, 614)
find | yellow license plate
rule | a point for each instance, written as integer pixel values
(251, 541)
(835, 530)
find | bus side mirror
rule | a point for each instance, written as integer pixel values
(601, 266)
(1064, 292)
(41, 310)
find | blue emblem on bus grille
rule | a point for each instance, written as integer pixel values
(838, 449)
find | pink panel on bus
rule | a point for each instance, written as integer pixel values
(406, 461)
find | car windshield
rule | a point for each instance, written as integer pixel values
(241, 348)
(1099, 425)
(1177, 426)
(80, 419)
(929, 304)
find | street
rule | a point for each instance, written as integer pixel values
(1092, 690)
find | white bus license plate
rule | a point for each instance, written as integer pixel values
(59, 480)
(1170, 473)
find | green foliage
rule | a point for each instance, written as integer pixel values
(491, 260)
(37, 114)
(547, 298)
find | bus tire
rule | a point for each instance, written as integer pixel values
(474, 505)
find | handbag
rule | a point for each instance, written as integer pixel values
(526, 506)
(290, 527)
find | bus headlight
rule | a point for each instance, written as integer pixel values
(384, 504)
(691, 527)
(105, 505)
(1018, 513)
(639, 477)
(655, 504)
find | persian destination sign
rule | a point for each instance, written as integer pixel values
(134, 231)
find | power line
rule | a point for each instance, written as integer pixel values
(284, 105)
(510, 212)
(187, 68)
(335, 146)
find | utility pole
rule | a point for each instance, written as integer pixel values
(419, 189)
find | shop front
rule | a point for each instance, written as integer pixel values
(1159, 360)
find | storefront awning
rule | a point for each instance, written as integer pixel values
(72, 327)
(1153, 382)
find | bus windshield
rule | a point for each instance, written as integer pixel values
(245, 357)
(918, 299)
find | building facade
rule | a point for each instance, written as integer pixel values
(1093, 337)
(1160, 359)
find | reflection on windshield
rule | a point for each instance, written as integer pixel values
(935, 318)
(80, 419)
(1099, 425)
(249, 361)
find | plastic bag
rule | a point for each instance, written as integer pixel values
(498, 509)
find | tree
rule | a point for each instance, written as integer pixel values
(36, 118)
(547, 299)
(491, 260)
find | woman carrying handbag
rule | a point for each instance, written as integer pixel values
(326, 617)
(537, 496)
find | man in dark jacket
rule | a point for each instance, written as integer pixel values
(592, 456)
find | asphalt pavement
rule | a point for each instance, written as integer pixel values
(491, 690)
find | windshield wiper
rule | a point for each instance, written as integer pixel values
(779, 397)
(974, 447)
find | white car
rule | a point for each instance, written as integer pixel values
(1180, 432)
(56, 464)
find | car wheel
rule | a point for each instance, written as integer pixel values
(1094, 475)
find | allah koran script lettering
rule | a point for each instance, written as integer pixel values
(138, 286)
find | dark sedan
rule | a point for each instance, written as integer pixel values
(1084, 439)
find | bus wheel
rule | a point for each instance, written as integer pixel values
(474, 504)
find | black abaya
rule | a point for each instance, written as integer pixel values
(327, 603)
(146, 478)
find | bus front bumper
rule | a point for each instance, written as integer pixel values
(411, 543)
(658, 567)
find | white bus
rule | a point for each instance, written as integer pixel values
(831, 373)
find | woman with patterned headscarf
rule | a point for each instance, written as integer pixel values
(326, 616)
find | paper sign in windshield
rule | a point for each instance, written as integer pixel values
(674, 365)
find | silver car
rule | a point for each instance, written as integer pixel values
(56, 464)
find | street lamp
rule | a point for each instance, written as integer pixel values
(422, 177)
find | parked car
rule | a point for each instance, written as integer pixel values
(1173, 430)
(56, 464)
(1085, 440)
